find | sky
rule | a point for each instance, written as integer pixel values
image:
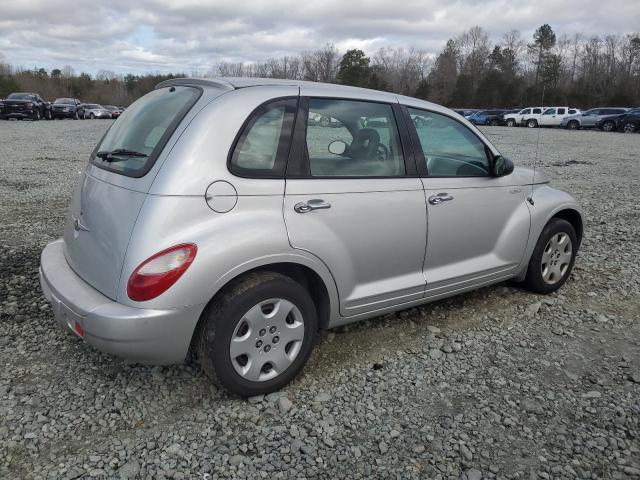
(190, 36)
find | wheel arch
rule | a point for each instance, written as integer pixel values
(550, 203)
(317, 280)
(574, 217)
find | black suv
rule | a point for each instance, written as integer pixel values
(67, 108)
(628, 122)
(25, 106)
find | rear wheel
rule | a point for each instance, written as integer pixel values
(511, 122)
(573, 125)
(76, 116)
(257, 336)
(532, 123)
(608, 126)
(92, 116)
(36, 115)
(494, 123)
(629, 127)
(553, 257)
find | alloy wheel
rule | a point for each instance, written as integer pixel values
(267, 340)
(629, 128)
(608, 126)
(556, 258)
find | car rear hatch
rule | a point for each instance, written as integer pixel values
(110, 193)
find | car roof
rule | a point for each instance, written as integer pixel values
(233, 83)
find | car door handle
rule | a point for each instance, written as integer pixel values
(439, 198)
(315, 204)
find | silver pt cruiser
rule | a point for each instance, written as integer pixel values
(219, 216)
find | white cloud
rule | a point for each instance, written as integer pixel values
(172, 35)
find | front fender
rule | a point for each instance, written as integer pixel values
(547, 203)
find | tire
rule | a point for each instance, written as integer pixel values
(226, 318)
(511, 122)
(532, 123)
(76, 116)
(325, 121)
(573, 125)
(36, 116)
(629, 127)
(609, 126)
(542, 276)
(494, 123)
(47, 115)
(92, 116)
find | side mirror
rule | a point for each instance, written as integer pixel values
(502, 166)
(337, 147)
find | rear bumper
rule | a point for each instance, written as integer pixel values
(157, 337)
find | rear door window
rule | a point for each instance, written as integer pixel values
(349, 138)
(561, 111)
(134, 142)
(537, 110)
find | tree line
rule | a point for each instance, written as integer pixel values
(470, 71)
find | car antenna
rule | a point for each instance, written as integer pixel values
(535, 161)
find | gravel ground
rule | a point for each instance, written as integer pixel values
(498, 383)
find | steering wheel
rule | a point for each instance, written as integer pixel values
(382, 152)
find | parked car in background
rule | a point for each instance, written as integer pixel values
(627, 122)
(115, 111)
(93, 110)
(550, 117)
(486, 117)
(23, 106)
(67, 108)
(465, 113)
(273, 230)
(514, 119)
(589, 118)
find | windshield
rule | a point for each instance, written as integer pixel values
(21, 96)
(66, 101)
(143, 129)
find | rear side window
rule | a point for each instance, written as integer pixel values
(450, 149)
(262, 147)
(525, 111)
(537, 110)
(134, 142)
(349, 138)
(561, 111)
(572, 112)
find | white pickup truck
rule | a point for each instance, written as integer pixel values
(550, 117)
(515, 119)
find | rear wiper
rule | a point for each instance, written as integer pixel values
(119, 152)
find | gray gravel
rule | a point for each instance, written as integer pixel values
(498, 383)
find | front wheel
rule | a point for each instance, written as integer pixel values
(629, 127)
(92, 116)
(553, 257)
(257, 336)
(573, 125)
(37, 116)
(532, 123)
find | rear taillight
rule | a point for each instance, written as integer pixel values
(158, 273)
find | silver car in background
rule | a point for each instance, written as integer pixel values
(588, 119)
(222, 217)
(93, 110)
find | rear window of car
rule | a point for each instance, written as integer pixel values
(136, 139)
